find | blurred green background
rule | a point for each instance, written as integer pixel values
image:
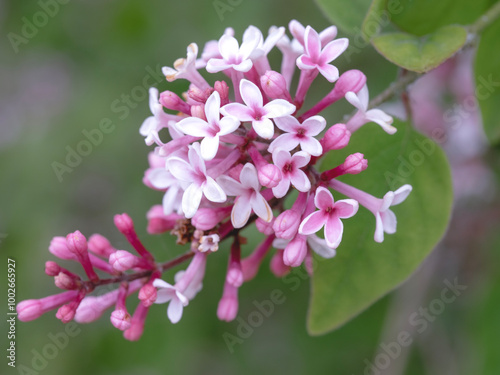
(65, 78)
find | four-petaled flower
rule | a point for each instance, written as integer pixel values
(168, 292)
(290, 170)
(297, 133)
(182, 67)
(317, 58)
(233, 55)
(260, 115)
(360, 101)
(329, 215)
(248, 196)
(385, 219)
(195, 173)
(212, 129)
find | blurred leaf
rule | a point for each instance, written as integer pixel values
(346, 15)
(426, 16)
(487, 75)
(363, 270)
(421, 54)
(372, 24)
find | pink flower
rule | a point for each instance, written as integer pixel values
(195, 173)
(248, 196)
(298, 31)
(319, 58)
(255, 111)
(234, 56)
(363, 116)
(290, 170)
(211, 129)
(169, 293)
(329, 215)
(299, 134)
(153, 124)
(186, 69)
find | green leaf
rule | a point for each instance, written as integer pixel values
(421, 54)
(346, 15)
(363, 270)
(374, 20)
(487, 75)
(426, 16)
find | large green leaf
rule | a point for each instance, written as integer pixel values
(423, 17)
(346, 15)
(363, 270)
(487, 74)
(376, 18)
(421, 54)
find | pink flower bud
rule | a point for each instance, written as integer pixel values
(147, 294)
(100, 245)
(208, 218)
(77, 243)
(355, 163)
(277, 266)
(235, 276)
(198, 95)
(274, 85)
(64, 281)
(122, 260)
(198, 111)
(59, 248)
(158, 222)
(52, 268)
(295, 252)
(336, 137)
(227, 309)
(66, 313)
(351, 80)
(264, 226)
(124, 223)
(287, 224)
(120, 319)
(269, 175)
(30, 309)
(171, 100)
(223, 89)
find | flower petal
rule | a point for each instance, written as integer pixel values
(401, 194)
(230, 185)
(170, 200)
(330, 72)
(180, 169)
(379, 228)
(160, 178)
(261, 207)
(215, 65)
(300, 181)
(333, 50)
(314, 125)
(191, 200)
(285, 142)
(264, 128)
(313, 223)
(193, 126)
(251, 94)
(281, 189)
(209, 147)
(323, 199)
(346, 208)
(312, 43)
(195, 159)
(174, 310)
(320, 247)
(352, 98)
(241, 211)
(249, 178)
(238, 110)
(389, 221)
(213, 192)
(278, 108)
(311, 146)
(288, 124)
(228, 124)
(333, 231)
(228, 48)
(381, 118)
(301, 159)
(212, 107)
(281, 157)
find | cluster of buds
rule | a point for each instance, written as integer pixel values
(236, 150)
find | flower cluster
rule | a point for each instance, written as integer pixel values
(236, 149)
